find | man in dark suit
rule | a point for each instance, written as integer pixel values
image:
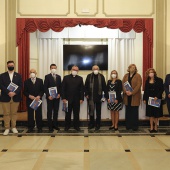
(34, 89)
(73, 93)
(52, 80)
(167, 91)
(10, 99)
(94, 86)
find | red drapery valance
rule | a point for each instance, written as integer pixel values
(28, 25)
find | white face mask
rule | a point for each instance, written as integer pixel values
(96, 72)
(114, 76)
(32, 75)
(151, 74)
(74, 73)
(53, 70)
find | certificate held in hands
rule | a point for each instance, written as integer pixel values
(154, 103)
(112, 97)
(12, 87)
(53, 92)
(127, 86)
(35, 104)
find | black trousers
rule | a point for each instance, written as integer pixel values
(75, 107)
(52, 112)
(132, 117)
(98, 115)
(168, 105)
(38, 117)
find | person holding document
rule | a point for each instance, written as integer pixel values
(52, 88)
(153, 90)
(10, 85)
(114, 88)
(73, 95)
(132, 82)
(34, 90)
(167, 91)
(95, 87)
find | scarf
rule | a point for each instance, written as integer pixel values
(91, 102)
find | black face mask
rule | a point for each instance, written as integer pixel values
(10, 68)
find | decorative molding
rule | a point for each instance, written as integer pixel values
(42, 14)
(128, 14)
(86, 14)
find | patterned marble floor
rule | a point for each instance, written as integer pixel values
(68, 152)
(104, 131)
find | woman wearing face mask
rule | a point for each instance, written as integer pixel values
(114, 85)
(132, 98)
(153, 88)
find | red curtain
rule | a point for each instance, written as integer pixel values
(28, 25)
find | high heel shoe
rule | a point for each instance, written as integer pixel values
(116, 128)
(151, 131)
(111, 127)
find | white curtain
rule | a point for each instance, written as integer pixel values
(50, 52)
(120, 55)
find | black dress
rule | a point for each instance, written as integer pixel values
(153, 90)
(112, 87)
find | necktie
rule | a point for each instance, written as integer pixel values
(54, 77)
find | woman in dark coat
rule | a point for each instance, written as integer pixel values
(114, 85)
(153, 88)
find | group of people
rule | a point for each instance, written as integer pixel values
(72, 91)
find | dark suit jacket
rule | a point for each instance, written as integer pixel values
(36, 89)
(118, 89)
(103, 83)
(49, 82)
(157, 90)
(5, 81)
(72, 88)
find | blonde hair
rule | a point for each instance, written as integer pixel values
(111, 74)
(128, 70)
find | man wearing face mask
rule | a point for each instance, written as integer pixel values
(52, 80)
(73, 93)
(10, 100)
(34, 89)
(94, 86)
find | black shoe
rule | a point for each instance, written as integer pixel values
(30, 131)
(66, 129)
(56, 128)
(39, 130)
(135, 129)
(97, 128)
(155, 131)
(111, 127)
(151, 131)
(77, 128)
(51, 130)
(90, 126)
(116, 129)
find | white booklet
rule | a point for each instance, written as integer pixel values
(35, 104)
(154, 103)
(12, 87)
(53, 92)
(127, 86)
(112, 96)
